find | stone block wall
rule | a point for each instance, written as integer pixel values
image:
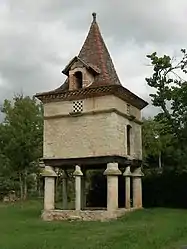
(86, 215)
(98, 131)
(95, 104)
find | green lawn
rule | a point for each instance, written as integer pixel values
(21, 227)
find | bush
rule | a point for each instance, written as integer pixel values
(166, 189)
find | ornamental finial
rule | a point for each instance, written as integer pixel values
(94, 16)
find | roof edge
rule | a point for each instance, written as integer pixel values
(87, 65)
(117, 90)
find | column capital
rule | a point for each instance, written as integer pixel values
(138, 172)
(127, 171)
(112, 170)
(48, 172)
(77, 171)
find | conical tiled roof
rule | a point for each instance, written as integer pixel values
(94, 52)
(95, 56)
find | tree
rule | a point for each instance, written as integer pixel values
(156, 141)
(168, 81)
(21, 137)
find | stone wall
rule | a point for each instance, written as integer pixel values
(87, 215)
(107, 102)
(136, 137)
(98, 131)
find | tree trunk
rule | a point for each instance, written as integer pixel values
(21, 186)
(160, 160)
(25, 186)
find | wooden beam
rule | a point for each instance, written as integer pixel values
(90, 162)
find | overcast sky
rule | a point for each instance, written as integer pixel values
(38, 38)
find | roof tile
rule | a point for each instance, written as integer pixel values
(95, 52)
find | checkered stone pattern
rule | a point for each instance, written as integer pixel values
(77, 106)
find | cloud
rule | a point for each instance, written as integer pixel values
(37, 39)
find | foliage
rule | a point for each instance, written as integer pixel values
(155, 137)
(20, 139)
(165, 189)
(171, 91)
(170, 94)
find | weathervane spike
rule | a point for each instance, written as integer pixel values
(94, 16)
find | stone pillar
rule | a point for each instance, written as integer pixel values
(127, 175)
(64, 191)
(137, 187)
(112, 172)
(78, 174)
(49, 189)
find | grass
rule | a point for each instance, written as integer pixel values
(21, 228)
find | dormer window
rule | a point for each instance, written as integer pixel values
(80, 74)
(78, 77)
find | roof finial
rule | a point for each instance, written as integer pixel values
(94, 16)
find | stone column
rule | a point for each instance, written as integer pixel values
(49, 189)
(78, 174)
(127, 175)
(137, 187)
(112, 172)
(64, 191)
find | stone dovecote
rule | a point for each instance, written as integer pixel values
(92, 121)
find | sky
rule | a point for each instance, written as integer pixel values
(39, 38)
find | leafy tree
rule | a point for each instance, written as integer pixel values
(21, 137)
(156, 140)
(170, 94)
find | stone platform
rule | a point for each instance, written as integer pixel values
(84, 215)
